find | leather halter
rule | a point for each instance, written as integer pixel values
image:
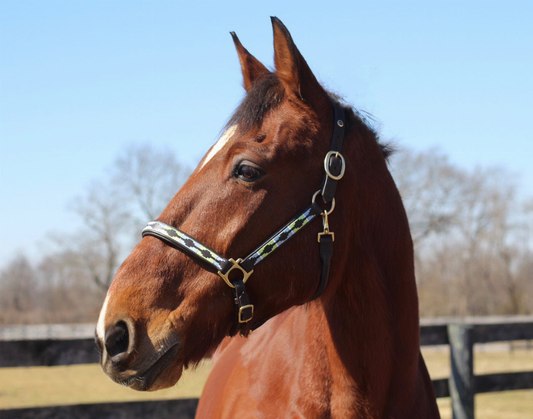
(235, 273)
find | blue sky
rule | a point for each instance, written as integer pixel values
(80, 80)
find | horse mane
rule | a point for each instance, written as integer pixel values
(267, 94)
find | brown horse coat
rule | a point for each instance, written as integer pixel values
(353, 352)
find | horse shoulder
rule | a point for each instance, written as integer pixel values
(266, 373)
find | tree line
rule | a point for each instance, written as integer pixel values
(472, 234)
(471, 230)
(69, 283)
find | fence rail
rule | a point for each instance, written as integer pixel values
(23, 346)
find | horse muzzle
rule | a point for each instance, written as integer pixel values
(139, 363)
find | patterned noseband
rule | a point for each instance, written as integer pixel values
(235, 273)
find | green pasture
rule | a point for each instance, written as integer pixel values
(41, 386)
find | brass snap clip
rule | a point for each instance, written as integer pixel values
(325, 220)
(325, 224)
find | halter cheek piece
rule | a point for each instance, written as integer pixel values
(235, 273)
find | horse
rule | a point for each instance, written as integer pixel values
(320, 319)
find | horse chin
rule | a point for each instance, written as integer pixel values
(163, 373)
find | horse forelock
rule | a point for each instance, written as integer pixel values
(266, 94)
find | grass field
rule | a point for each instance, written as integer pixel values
(508, 404)
(42, 386)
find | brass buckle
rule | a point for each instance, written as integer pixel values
(245, 308)
(326, 165)
(236, 265)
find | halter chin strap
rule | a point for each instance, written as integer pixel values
(235, 273)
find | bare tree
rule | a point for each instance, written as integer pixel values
(472, 243)
(486, 230)
(68, 293)
(142, 181)
(99, 244)
(430, 187)
(149, 177)
(19, 291)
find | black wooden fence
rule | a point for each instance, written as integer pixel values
(67, 344)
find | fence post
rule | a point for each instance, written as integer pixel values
(461, 381)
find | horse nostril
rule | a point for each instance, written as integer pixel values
(117, 339)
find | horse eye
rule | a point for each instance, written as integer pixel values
(248, 173)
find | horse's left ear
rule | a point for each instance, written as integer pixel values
(293, 70)
(252, 68)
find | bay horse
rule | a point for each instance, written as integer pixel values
(329, 292)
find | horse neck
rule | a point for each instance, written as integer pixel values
(371, 305)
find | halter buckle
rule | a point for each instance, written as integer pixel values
(236, 265)
(245, 316)
(326, 165)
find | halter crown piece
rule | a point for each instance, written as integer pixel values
(241, 269)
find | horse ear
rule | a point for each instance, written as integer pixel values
(292, 69)
(252, 68)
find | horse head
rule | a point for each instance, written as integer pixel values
(166, 310)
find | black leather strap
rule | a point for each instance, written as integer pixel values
(326, 252)
(334, 166)
(334, 163)
(245, 310)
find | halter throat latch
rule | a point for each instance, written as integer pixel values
(245, 310)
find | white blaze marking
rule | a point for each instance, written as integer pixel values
(219, 145)
(100, 326)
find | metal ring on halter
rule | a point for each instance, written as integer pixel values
(332, 204)
(237, 266)
(326, 165)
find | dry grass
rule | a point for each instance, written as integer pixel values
(509, 404)
(41, 386)
(487, 360)
(51, 386)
